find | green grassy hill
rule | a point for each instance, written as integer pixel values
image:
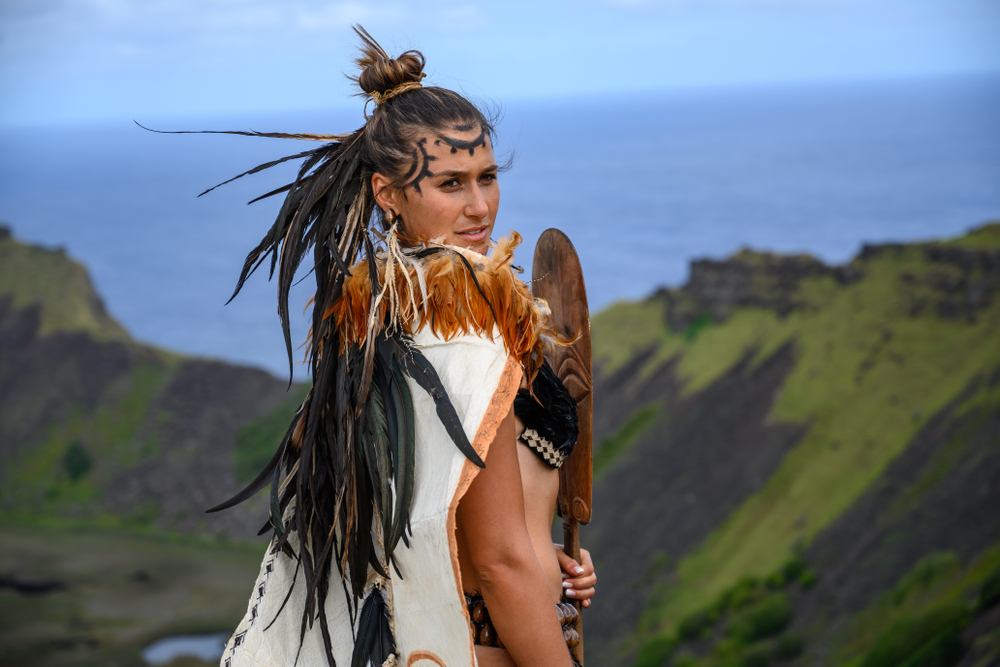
(744, 418)
(31, 275)
(110, 451)
(96, 427)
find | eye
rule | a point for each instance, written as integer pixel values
(451, 183)
(488, 178)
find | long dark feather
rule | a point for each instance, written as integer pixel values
(367, 626)
(275, 507)
(417, 367)
(305, 136)
(407, 458)
(374, 643)
(380, 442)
(276, 191)
(262, 167)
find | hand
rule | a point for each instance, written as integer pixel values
(579, 579)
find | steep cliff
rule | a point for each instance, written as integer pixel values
(99, 428)
(779, 432)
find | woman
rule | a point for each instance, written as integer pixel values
(417, 353)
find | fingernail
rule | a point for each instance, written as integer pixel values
(570, 593)
(578, 570)
(567, 584)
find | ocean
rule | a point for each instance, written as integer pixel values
(642, 183)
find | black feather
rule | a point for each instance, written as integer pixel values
(374, 643)
(551, 411)
(406, 461)
(262, 167)
(420, 369)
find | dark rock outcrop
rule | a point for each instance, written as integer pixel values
(763, 280)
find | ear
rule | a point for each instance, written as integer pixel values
(385, 194)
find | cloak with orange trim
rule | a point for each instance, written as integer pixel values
(480, 330)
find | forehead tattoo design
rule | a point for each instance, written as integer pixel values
(458, 144)
(421, 161)
(420, 168)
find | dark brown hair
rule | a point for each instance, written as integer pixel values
(393, 126)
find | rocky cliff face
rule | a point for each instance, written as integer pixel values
(95, 426)
(782, 437)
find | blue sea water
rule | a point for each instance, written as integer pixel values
(207, 648)
(642, 184)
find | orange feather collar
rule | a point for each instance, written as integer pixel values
(440, 291)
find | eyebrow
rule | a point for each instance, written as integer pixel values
(492, 167)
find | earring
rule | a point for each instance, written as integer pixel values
(390, 217)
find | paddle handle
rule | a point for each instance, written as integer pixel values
(571, 545)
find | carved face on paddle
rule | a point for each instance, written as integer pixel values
(450, 193)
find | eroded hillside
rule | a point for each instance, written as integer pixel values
(97, 427)
(777, 413)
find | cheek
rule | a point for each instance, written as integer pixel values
(431, 215)
(494, 201)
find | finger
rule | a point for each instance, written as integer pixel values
(584, 594)
(586, 581)
(569, 565)
(586, 603)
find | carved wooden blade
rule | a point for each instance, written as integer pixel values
(558, 278)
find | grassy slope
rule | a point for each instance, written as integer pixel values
(111, 438)
(937, 583)
(69, 303)
(44, 481)
(868, 375)
(62, 288)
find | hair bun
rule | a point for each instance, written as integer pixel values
(381, 73)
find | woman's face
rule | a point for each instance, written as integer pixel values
(451, 193)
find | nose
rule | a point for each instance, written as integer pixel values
(476, 207)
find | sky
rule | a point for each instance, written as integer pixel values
(77, 61)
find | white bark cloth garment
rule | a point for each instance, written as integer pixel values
(430, 621)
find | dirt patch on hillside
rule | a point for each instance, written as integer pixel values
(704, 455)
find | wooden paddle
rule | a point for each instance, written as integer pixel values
(558, 278)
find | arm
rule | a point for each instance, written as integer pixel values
(491, 518)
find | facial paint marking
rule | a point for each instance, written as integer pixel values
(424, 170)
(457, 144)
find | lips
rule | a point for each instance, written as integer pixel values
(475, 234)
